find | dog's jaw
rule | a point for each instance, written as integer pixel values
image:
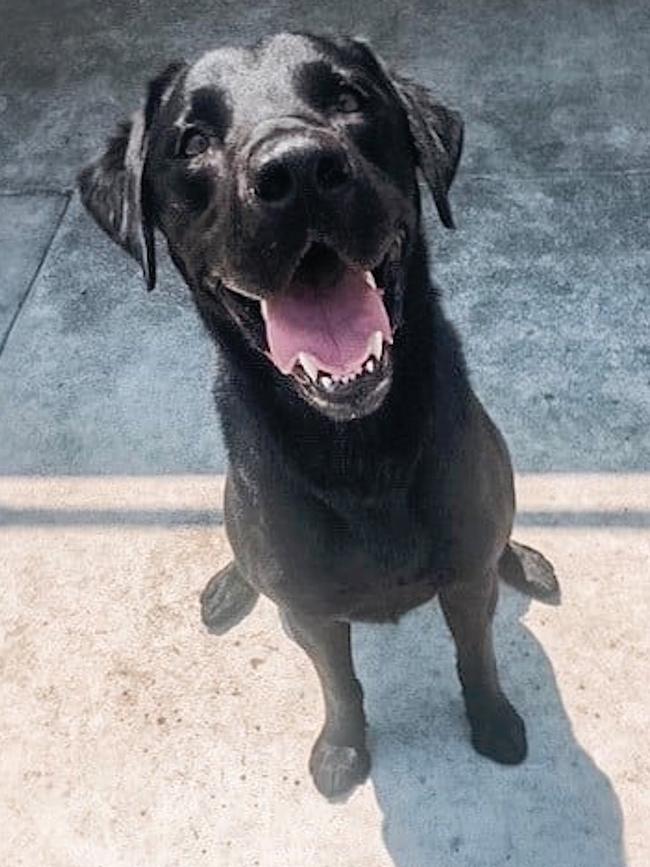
(341, 390)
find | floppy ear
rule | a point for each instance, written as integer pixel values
(437, 134)
(436, 131)
(111, 186)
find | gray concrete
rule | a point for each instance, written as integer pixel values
(544, 85)
(27, 226)
(99, 376)
(111, 470)
(548, 281)
(547, 286)
(551, 263)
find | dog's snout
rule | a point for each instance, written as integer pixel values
(288, 169)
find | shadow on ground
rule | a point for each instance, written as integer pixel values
(442, 803)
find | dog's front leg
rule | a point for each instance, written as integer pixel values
(497, 729)
(339, 758)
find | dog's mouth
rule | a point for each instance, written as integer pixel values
(330, 330)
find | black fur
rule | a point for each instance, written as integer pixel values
(337, 510)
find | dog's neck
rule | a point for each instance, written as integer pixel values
(377, 452)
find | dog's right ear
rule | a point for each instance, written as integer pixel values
(111, 186)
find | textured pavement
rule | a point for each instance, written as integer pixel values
(129, 737)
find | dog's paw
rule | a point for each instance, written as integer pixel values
(498, 732)
(337, 770)
(226, 600)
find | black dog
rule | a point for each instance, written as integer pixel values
(364, 475)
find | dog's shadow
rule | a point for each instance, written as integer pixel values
(444, 804)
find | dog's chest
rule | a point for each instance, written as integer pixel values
(392, 562)
(346, 560)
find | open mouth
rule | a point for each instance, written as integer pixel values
(329, 331)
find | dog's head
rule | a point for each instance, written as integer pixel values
(284, 179)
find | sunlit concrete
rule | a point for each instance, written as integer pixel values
(132, 737)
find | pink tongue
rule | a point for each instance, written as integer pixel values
(331, 324)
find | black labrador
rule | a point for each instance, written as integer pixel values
(364, 475)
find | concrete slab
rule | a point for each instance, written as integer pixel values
(548, 290)
(27, 225)
(130, 737)
(547, 280)
(100, 376)
(542, 85)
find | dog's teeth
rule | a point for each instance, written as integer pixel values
(327, 382)
(370, 279)
(376, 345)
(308, 365)
(369, 365)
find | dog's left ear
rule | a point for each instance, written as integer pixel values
(437, 135)
(436, 131)
(112, 186)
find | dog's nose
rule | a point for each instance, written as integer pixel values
(288, 169)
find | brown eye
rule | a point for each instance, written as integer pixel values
(348, 100)
(194, 143)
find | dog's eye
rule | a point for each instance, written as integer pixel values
(193, 143)
(348, 100)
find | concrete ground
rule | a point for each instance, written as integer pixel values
(131, 738)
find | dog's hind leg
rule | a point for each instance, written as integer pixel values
(339, 758)
(497, 729)
(226, 600)
(529, 572)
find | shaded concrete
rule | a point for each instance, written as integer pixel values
(550, 267)
(547, 280)
(547, 287)
(101, 376)
(27, 225)
(550, 85)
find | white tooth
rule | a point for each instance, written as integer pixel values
(327, 383)
(370, 365)
(308, 365)
(376, 345)
(264, 308)
(370, 279)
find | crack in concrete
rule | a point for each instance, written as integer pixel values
(4, 339)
